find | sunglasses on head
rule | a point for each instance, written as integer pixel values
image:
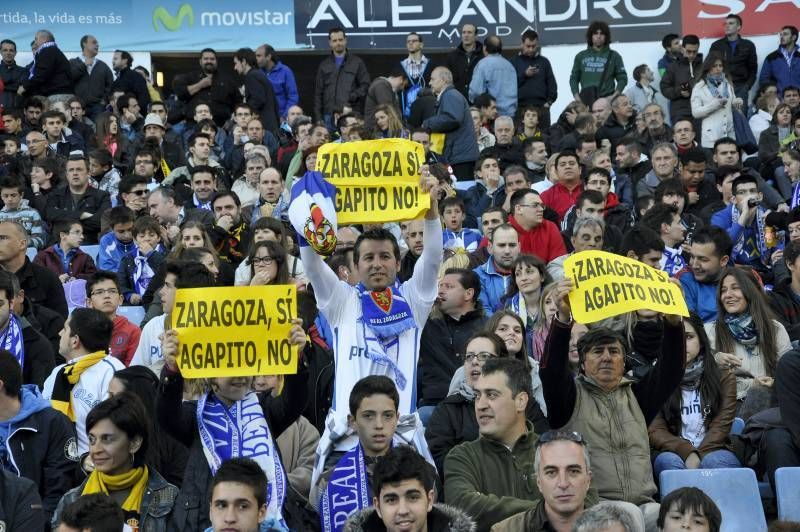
(561, 435)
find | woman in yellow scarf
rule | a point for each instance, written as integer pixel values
(119, 435)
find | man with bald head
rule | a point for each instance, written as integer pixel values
(40, 285)
(453, 118)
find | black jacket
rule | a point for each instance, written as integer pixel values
(539, 89)
(261, 98)
(462, 65)
(50, 75)
(93, 88)
(39, 357)
(179, 419)
(61, 207)
(20, 506)
(787, 308)
(340, 85)
(44, 449)
(678, 74)
(132, 82)
(506, 155)
(13, 76)
(42, 287)
(46, 322)
(454, 421)
(443, 340)
(741, 62)
(613, 130)
(127, 267)
(222, 95)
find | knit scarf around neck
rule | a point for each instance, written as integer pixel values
(742, 328)
(66, 379)
(135, 480)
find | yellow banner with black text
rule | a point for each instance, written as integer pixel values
(235, 331)
(607, 285)
(376, 181)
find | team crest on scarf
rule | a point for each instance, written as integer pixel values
(319, 232)
(383, 300)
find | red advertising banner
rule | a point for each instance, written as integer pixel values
(705, 18)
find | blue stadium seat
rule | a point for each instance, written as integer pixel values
(738, 425)
(735, 491)
(135, 315)
(787, 484)
(31, 253)
(92, 251)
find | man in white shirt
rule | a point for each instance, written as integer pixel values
(76, 387)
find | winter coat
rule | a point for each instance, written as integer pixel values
(776, 70)
(454, 120)
(461, 64)
(260, 96)
(297, 446)
(284, 85)
(335, 86)
(539, 89)
(42, 287)
(127, 267)
(50, 74)
(443, 341)
(493, 286)
(741, 61)
(678, 74)
(39, 357)
(20, 506)
(81, 266)
(158, 502)
(94, 88)
(441, 518)
(717, 119)
(130, 81)
(787, 308)
(61, 207)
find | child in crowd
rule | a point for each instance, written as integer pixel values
(65, 258)
(138, 268)
(118, 242)
(455, 235)
(16, 209)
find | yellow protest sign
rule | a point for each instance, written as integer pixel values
(607, 285)
(376, 181)
(235, 331)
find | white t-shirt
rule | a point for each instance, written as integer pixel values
(90, 389)
(148, 353)
(692, 425)
(341, 305)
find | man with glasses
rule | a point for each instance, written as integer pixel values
(782, 67)
(417, 68)
(612, 412)
(103, 294)
(537, 236)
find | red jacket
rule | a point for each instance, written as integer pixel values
(560, 199)
(81, 266)
(124, 340)
(544, 241)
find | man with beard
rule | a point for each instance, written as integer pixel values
(631, 163)
(494, 275)
(208, 85)
(127, 80)
(230, 234)
(445, 336)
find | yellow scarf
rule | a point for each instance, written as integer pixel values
(135, 479)
(165, 167)
(66, 379)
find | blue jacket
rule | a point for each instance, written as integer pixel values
(701, 298)
(284, 86)
(496, 75)
(112, 251)
(776, 70)
(493, 286)
(724, 219)
(454, 120)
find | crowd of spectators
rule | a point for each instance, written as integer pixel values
(487, 395)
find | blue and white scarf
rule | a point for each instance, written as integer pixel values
(384, 316)
(347, 491)
(143, 273)
(760, 232)
(312, 213)
(717, 85)
(32, 70)
(201, 205)
(11, 340)
(673, 261)
(242, 431)
(795, 196)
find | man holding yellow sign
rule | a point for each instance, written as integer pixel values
(376, 181)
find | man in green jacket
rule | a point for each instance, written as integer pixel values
(598, 66)
(493, 477)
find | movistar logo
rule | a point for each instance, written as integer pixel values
(170, 22)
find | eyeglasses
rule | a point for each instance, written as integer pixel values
(561, 435)
(139, 192)
(266, 261)
(482, 356)
(104, 291)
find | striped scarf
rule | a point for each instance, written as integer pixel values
(11, 340)
(67, 377)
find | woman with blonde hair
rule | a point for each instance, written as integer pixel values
(388, 123)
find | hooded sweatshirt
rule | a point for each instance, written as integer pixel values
(31, 402)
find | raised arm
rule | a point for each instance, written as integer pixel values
(424, 281)
(558, 384)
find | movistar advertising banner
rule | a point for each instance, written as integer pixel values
(188, 26)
